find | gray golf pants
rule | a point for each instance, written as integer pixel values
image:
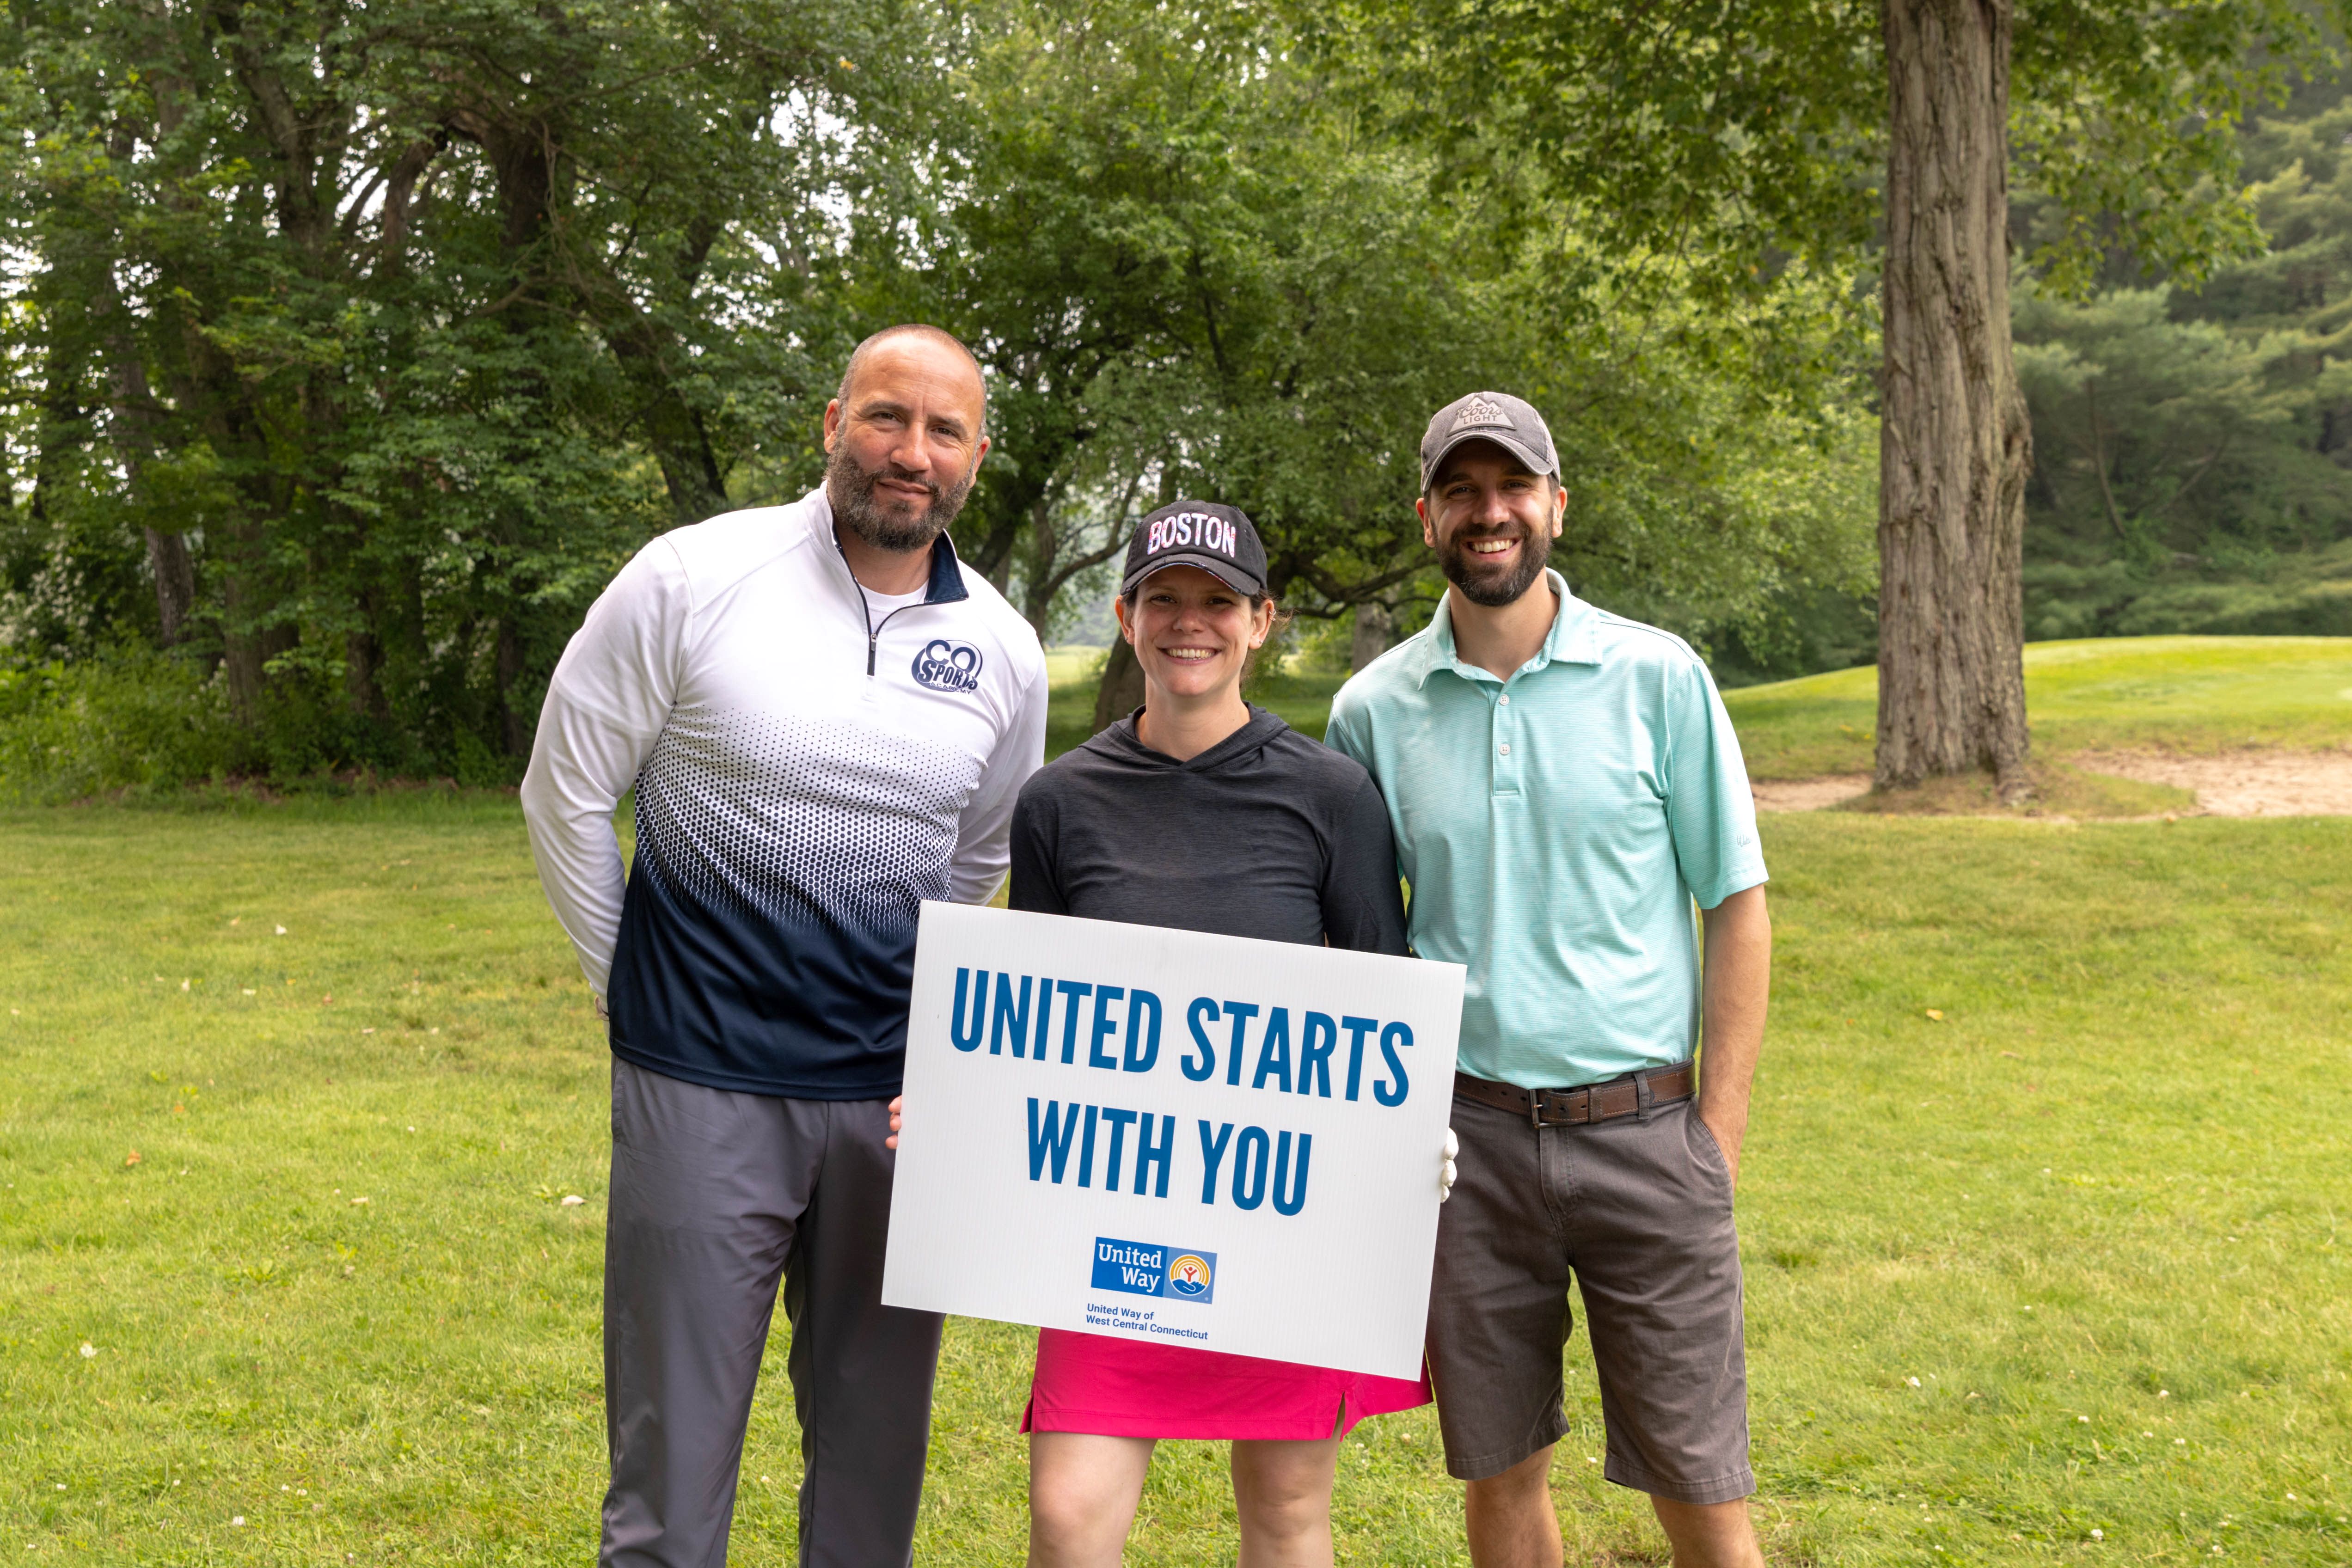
(715, 1196)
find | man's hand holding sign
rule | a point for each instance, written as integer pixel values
(1204, 1139)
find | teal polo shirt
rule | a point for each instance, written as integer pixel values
(1556, 828)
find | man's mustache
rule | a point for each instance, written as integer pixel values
(892, 472)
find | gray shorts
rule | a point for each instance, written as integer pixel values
(1638, 1209)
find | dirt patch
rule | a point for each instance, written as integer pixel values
(2098, 783)
(2241, 783)
(1808, 795)
(2058, 792)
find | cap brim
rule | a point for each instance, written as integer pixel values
(1223, 571)
(1509, 442)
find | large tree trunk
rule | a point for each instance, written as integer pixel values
(1373, 635)
(176, 583)
(1956, 447)
(1122, 692)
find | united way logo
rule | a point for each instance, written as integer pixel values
(945, 666)
(1191, 1276)
(1151, 1268)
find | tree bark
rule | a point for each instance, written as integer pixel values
(1121, 692)
(176, 583)
(1954, 446)
(1374, 634)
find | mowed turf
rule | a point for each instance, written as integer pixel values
(2096, 1212)
(2183, 693)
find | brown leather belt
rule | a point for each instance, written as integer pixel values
(1576, 1107)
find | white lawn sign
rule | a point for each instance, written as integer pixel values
(1179, 1138)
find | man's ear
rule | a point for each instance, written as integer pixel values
(1428, 529)
(1558, 507)
(831, 422)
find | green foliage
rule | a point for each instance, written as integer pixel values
(408, 323)
(2194, 450)
(1198, 260)
(356, 346)
(126, 720)
(1741, 136)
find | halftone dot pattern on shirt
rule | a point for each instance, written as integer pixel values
(801, 822)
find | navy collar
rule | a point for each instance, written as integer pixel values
(947, 573)
(946, 585)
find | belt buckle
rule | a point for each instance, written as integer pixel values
(1535, 1108)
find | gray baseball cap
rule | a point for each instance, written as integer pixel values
(1511, 423)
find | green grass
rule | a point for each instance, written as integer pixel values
(1303, 700)
(2192, 694)
(2110, 1183)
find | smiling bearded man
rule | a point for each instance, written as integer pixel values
(827, 722)
(1564, 785)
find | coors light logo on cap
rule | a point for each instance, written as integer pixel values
(1217, 538)
(1511, 423)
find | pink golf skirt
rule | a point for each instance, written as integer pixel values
(1136, 1388)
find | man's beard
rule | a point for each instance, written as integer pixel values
(890, 525)
(1495, 586)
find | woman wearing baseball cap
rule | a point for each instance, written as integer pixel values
(1200, 812)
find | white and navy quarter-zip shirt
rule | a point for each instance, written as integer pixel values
(812, 761)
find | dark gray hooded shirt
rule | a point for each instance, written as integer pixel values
(1264, 835)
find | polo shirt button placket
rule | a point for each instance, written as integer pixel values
(1507, 764)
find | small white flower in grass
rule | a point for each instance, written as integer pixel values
(281, 930)
(2164, 1394)
(2098, 1535)
(572, 1200)
(284, 1487)
(2084, 1419)
(239, 1519)
(1912, 1381)
(61, 1486)
(2181, 1442)
(764, 1481)
(1590, 1461)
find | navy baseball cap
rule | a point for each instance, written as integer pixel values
(1216, 538)
(1511, 423)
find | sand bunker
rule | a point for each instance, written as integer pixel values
(2241, 783)
(1808, 795)
(2234, 783)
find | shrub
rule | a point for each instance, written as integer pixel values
(127, 720)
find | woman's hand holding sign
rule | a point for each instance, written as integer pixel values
(899, 1106)
(1444, 1164)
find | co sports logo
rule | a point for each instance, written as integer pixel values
(1191, 531)
(945, 666)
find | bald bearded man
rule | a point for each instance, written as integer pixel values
(827, 720)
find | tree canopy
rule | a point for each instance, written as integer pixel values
(355, 347)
